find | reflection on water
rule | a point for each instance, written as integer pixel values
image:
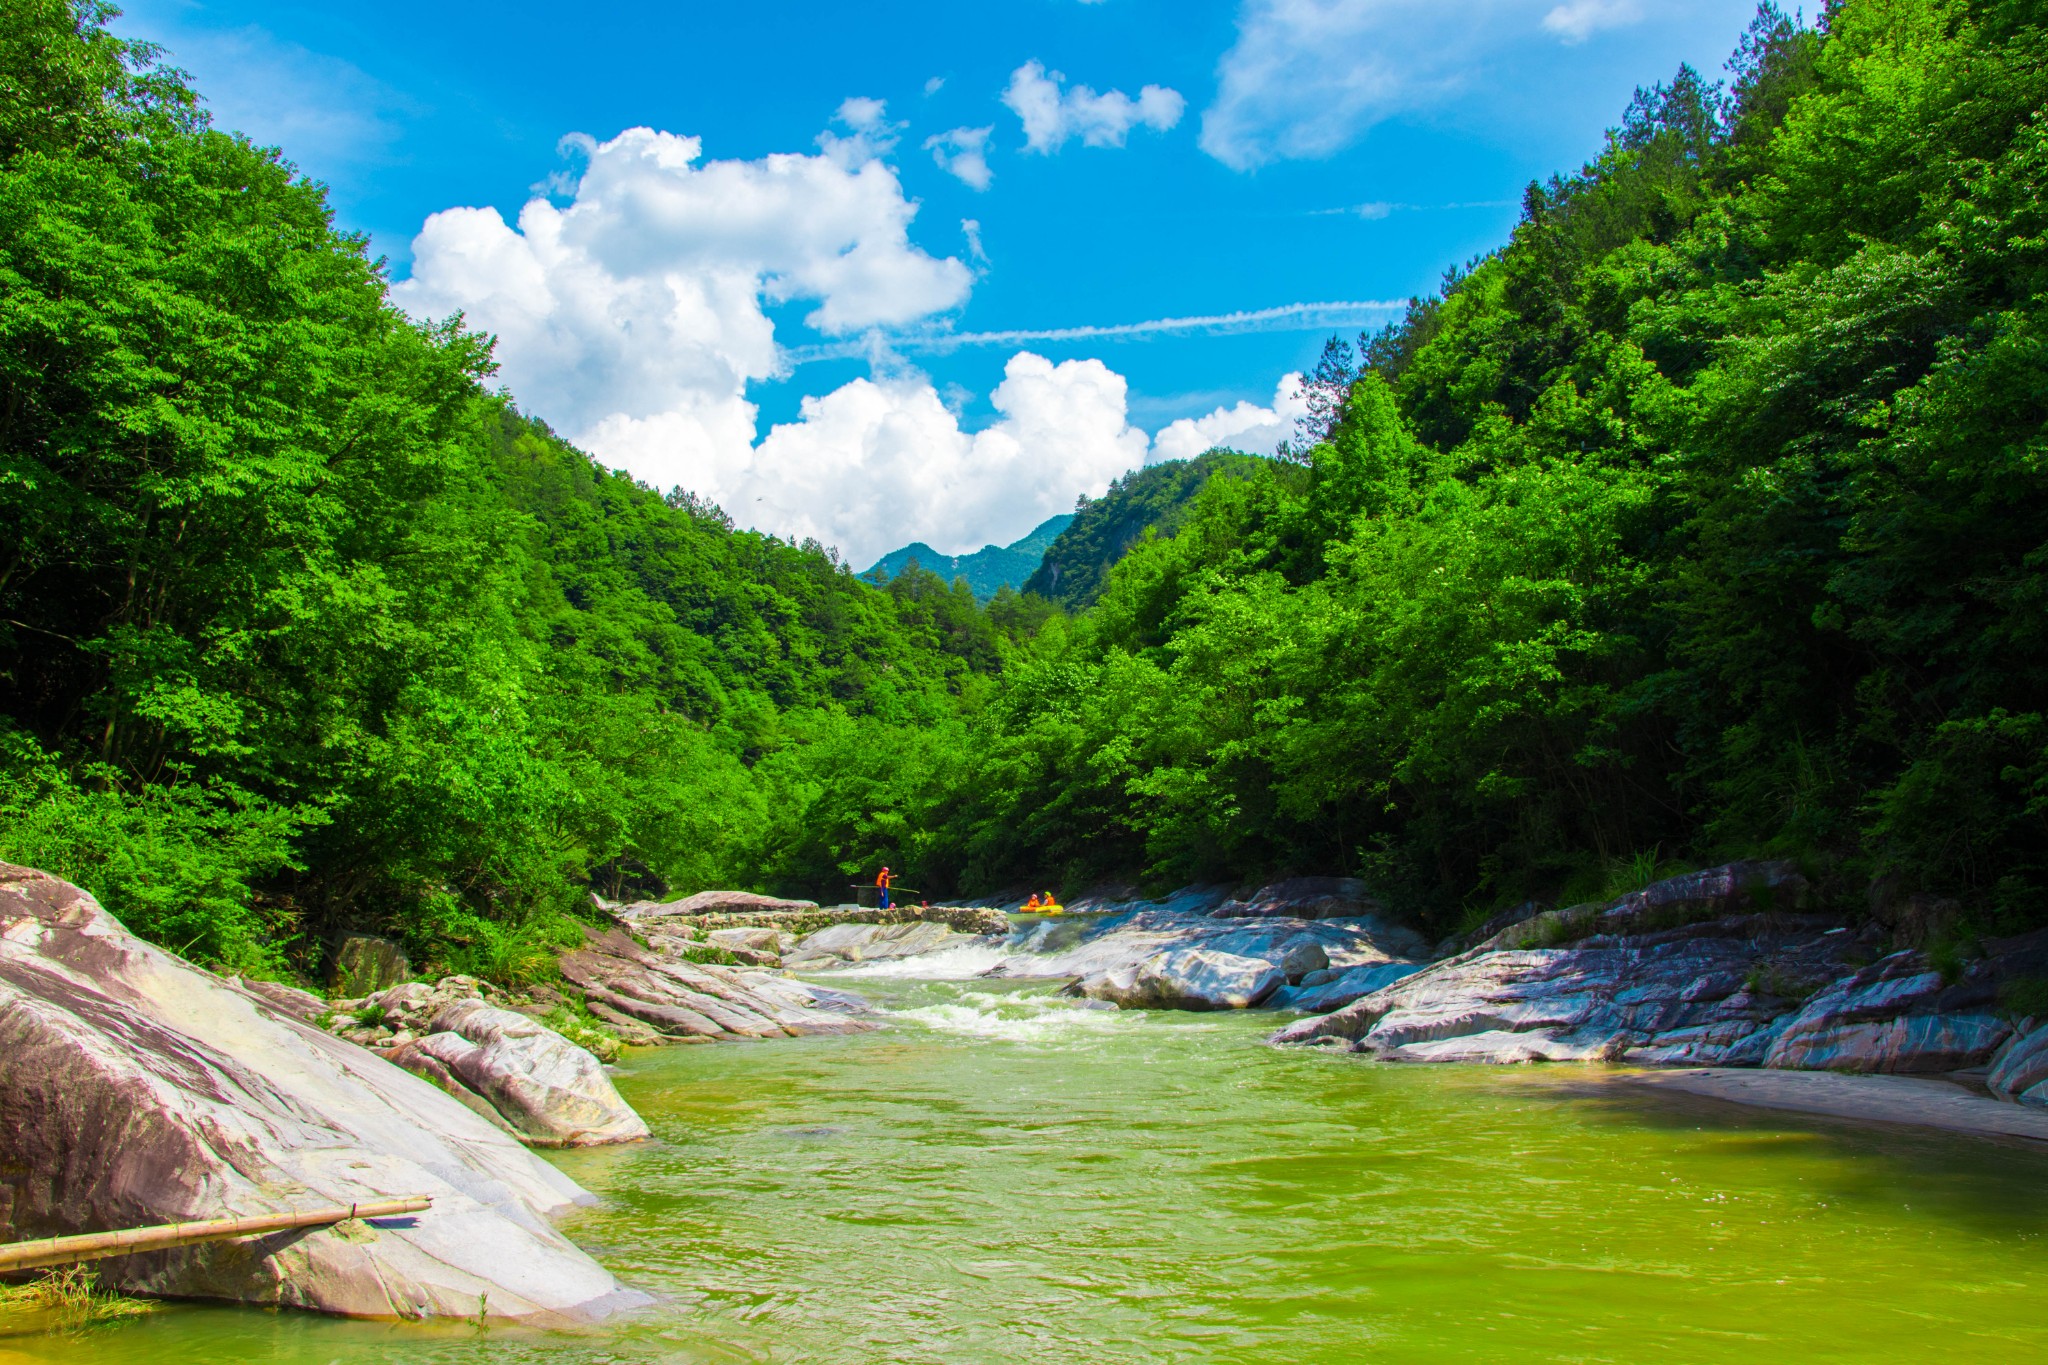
(1008, 1177)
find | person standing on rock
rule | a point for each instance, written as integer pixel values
(882, 880)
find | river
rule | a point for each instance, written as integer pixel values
(1003, 1176)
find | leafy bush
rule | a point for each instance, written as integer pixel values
(176, 863)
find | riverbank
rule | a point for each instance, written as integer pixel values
(1003, 1176)
(1915, 1101)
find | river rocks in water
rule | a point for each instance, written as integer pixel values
(687, 1000)
(1690, 995)
(1184, 979)
(539, 1085)
(1333, 988)
(1118, 956)
(842, 945)
(552, 1092)
(140, 1090)
(1754, 989)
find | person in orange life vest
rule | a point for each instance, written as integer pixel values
(1032, 904)
(882, 880)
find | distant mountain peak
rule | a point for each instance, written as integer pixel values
(986, 570)
(1155, 498)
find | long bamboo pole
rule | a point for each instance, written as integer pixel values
(92, 1246)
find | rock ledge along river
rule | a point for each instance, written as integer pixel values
(1002, 1175)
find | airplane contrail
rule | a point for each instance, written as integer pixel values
(1280, 318)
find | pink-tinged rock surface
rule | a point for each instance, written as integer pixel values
(140, 1089)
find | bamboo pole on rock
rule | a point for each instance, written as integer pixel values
(93, 1246)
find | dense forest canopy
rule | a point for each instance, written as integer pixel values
(1707, 517)
(305, 628)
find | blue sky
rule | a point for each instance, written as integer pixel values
(786, 294)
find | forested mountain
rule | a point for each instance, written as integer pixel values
(987, 571)
(1148, 501)
(300, 628)
(1707, 517)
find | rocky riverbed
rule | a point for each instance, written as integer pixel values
(143, 1090)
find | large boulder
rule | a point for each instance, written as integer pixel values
(1896, 1015)
(1694, 994)
(758, 940)
(714, 903)
(658, 988)
(550, 1091)
(2020, 1072)
(139, 1090)
(1185, 979)
(1775, 887)
(1116, 957)
(364, 963)
(1335, 987)
(843, 945)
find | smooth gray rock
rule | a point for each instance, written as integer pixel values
(1185, 979)
(1330, 989)
(293, 1001)
(687, 1000)
(1112, 955)
(550, 1090)
(1693, 994)
(766, 941)
(712, 903)
(139, 1089)
(1299, 957)
(843, 945)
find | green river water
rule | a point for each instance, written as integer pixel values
(1004, 1177)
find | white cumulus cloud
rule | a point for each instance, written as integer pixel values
(963, 152)
(876, 464)
(645, 294)
(899, 468)
(634, 317)
(1577, 20)
(1243, 426)
(1052, 114)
